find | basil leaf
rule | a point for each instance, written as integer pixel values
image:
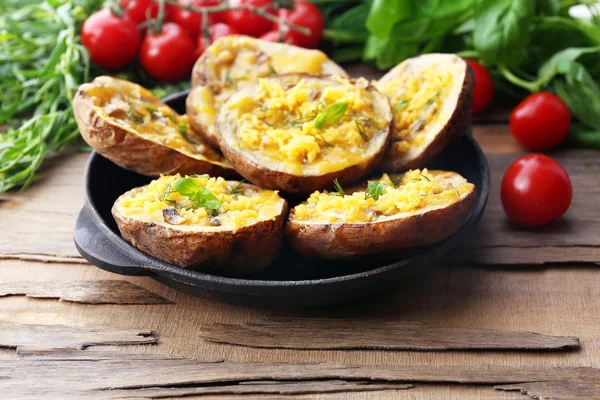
(559, 62)
(331, 115)
(198, 194)
(580, 92)
(384, 14)
(502, 30)
(375, 190)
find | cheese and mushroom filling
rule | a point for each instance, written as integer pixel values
(327, 124)
(234, 61)
(136, 109)
(414, 191)
(417, 102)
(237, 205)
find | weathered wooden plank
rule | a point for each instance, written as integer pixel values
(562, 390)
(90, 291)
(330, 334)
(260, 387)
(21, 378)
(62, 336)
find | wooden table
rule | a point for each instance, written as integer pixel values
(504, 278)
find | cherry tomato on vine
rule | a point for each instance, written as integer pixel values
(139, 11)
(245, 21)
(99, 34)
(535, 190)
(483, 93)
(216, 31)
(274, 36)
(306, 15)
(192, 21)
(541, 121)
(168, 55)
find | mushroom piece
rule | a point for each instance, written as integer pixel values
(171, 216)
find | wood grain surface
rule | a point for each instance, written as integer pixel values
(60, 336)
(524, 296)
(91, 292)
(332, 334)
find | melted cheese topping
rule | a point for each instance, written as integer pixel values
(234, 61)
(417, 101)
(279, 123)
(134, 108)
(237, 210)
(415, 191)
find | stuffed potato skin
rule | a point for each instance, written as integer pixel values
(271, 176)
(132, 151)
(347, 240)
(234, 61)
(224, 252)
(455, 126)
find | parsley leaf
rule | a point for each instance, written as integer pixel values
(400, 105)
(200, 195)
(339, 190)
(374, 190)
(331, 115)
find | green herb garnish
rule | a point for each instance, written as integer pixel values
(425, 177)
(400, 105)
(183, 128)
(271, 70)
(331, 115)
(134, 115)
(374, 190)
(397, 181)
(237, 189)
(361, 131)
(339, 190)
(151, 110)
(200, 195)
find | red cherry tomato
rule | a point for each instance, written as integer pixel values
(168, 55)
(535, 190)
(483, 93)
(274, 36)
(306, 15)
(192, 21)
(99, 34)
(216, 31)
(245, 21)
(139, 11)
(541, 121)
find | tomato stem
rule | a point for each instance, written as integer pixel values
(115, 8)
(262, 11)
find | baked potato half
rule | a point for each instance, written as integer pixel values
(431, 96)
(393, 213)
(131, 127)
(296, 132)
(204, 223)
(235, 61)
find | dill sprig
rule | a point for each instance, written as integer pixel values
(374, 190)
(339, 190)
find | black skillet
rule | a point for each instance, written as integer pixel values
(292, 280)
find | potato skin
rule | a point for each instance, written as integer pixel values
(243, 252)
(203, 76)
(269, 178)
(339, 241)
(133, 152)
(454, 129)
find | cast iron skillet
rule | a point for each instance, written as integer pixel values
(292, 280)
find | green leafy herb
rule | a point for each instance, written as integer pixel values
(271, 70)
(397, 180)
(198, 194)
(361, 131)
(429, 180)
(235, 191)
(374, 190)
(331, 115)
(400, 105)
(339, 190)
(151, 110)
(134, 115)
(183, 128)
(168, 190)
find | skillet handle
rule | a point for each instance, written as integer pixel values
(98, 250)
